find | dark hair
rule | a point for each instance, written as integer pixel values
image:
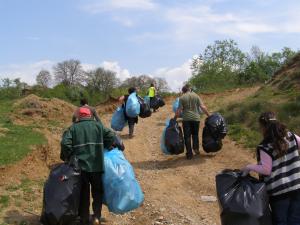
(151, 85)
(84, 101)
(185, 88)
(131, 90)
(275, 132)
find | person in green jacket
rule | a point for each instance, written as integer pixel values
(86, 139)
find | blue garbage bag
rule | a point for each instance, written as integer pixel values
(122, 192)
(118, 120)
(163, 146)
(176, 105)
(132, 106)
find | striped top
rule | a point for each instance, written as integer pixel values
(285, 176)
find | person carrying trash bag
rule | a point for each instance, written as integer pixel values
(189, 106)
(86, 139)
(151, 94)
(131, 108)
(85, 104)
(122, 192)
(243, 199)
(279, 167)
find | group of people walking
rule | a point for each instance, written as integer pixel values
(278, 159)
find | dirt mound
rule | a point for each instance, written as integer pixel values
(33, 108)
(288, 76)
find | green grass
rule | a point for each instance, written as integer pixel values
(4, 201)
(18, 140)
(242, 117)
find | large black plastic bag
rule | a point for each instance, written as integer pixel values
(62, 195)
(214, 131)
(243, 200)
(145, 110)
(173, 138)
(157, 102)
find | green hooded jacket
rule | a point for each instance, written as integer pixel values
(87, 139)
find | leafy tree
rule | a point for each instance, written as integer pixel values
(102, 80)
(69, 72)
(44, 78)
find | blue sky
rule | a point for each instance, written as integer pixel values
(136, 36)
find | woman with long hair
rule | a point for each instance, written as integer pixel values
(279, 166)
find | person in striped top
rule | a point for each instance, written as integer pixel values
(279, 167)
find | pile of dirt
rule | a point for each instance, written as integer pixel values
(288, 76)
(33, 108)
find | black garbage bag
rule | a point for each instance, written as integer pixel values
(62, 195)
(209, 143)
(174, 141)
(145, 110)
(242, 200)
(161, 102)
(214, 131)
(157, 102)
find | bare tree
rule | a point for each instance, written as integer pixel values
(69, 72)
(44, 78)
(102, 80)
(161, 84)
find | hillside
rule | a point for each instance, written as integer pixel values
(281, 95)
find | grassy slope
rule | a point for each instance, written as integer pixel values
(281, 96)
(16, 141)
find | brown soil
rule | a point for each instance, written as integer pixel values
(172, 185)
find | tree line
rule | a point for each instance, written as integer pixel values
(70, 81)
(223, 65)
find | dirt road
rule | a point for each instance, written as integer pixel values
(173, 186)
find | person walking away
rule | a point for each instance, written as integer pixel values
(189, 107)
(279, 166)
(84, 103)
(131, 120)
(152, 94)
(86, 139)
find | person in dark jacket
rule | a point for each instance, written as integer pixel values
(85, 104)
(86, 139)
(131, 120)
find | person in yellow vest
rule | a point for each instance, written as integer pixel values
(151, 94)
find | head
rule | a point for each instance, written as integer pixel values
(84, 113)
(186, 88)
(274, 131)
(84, 101)
(152, 85)
(131, 90)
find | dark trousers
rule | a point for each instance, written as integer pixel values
(131, 123)
(93, 179)
(191, 131)
(286, 211)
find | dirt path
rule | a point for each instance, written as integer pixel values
(173, 186)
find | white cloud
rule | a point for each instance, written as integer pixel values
(27, 72)
(111, 5)
(176, 76)
(114, 66)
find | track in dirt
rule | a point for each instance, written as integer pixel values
(173, 186)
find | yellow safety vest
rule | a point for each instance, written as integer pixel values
(151, 92)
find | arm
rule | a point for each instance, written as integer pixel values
(204, 109)
(66, 145)
(108, 137)
(264, 167)
(95, 115)
(121, 99)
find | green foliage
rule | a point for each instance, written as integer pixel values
(4, 201)
(17, 141)
(242, 117)
(224, 66)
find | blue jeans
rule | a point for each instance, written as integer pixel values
(286, 211)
